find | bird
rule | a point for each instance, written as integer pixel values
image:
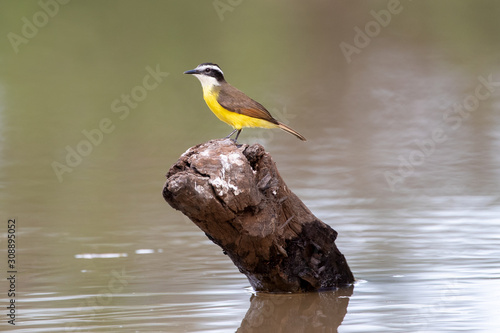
(231, 105)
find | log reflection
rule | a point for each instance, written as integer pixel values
(306, 312)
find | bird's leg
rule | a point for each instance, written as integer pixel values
(227, 137)
(237, 134)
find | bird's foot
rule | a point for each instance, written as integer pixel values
(236, 138)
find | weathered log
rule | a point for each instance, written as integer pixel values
(235, 194)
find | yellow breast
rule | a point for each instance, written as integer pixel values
(236, 120)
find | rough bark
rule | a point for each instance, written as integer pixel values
(237, 197)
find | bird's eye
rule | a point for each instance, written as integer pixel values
(207, 70)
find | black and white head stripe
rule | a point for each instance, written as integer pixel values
(208, 65)
(209, 69)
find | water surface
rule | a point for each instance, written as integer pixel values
(401, 160)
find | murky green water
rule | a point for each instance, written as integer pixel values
(402, 159)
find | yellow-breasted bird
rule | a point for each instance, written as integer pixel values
(231, 105)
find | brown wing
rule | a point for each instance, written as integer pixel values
(235, 100)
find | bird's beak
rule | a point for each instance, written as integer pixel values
(192, 71)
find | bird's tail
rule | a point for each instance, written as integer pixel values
(291, 131)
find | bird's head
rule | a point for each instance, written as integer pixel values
(209, 74)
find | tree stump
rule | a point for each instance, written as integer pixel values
(235, 194)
